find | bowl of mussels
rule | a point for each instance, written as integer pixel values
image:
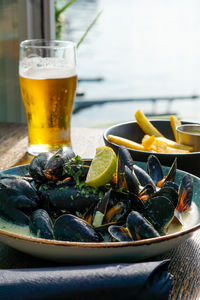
(49, 211)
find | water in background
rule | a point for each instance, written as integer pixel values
(142, 48)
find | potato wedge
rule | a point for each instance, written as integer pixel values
(146, 125)
(125, 142)
(174, 122)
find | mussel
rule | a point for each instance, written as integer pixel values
(41, 225)
(71, 228)
(137, 228)
(16, 195)
(69, 197)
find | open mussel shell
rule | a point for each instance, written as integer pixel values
(54, 167)
(116, 212)
(124, 158)
(100, 210)
(41, 225)
(77, 168)
(146, 192)
(139, 228)
(131, 180)
(76, 171)
(125, 176)
(37, 166)
(170, 175)
(71, 228)
(155, 171)
(142, 176)
(159, 211)
(185, 193)
(154, 168)
(119, 233)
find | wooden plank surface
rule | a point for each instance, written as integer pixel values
(14, 141)
(185, 259)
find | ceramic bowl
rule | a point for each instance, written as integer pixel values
(189, 162)
(84, 253)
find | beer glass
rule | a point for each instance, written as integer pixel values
(47, 74)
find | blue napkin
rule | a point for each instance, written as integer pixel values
(147, 280)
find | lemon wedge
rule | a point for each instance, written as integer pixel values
(102, 168)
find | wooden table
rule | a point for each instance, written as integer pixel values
(185, 259)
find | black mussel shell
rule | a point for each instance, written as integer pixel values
(54, 167)
(76, 171)
(154, 168)
(125, 166)
(140, 228)
(185, 193)
(136, 203)
(124, 158)
(100, 210)
(170, 175)
(142, 176)
(37, 166)
(131, 180)
(71, 228)
(159, 211)
(13, 215)
(20, 189)
(9, 198)
(171, 184)
(69, 197)
(146, 192)
(119, 233)
(116, 213)
(169, 193)
(16, 194)
(40, 224)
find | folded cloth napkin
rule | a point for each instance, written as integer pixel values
(148, 280)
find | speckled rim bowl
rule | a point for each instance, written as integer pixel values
(189, 162)
(83, 253)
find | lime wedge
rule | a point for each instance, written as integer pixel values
(102, 168)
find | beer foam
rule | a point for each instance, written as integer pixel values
(45, 68)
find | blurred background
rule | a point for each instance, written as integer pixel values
(139, 54)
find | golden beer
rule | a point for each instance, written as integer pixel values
(47, 74)
(48, 103)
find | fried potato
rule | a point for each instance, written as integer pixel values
(125, 142)
(175, 150)
(148, 141)
(146, 125)
(153, 140)
(174, 122)
(175, 145)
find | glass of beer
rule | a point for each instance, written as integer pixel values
(47, 74)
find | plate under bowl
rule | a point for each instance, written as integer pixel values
(189, 162)
(83, 253)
